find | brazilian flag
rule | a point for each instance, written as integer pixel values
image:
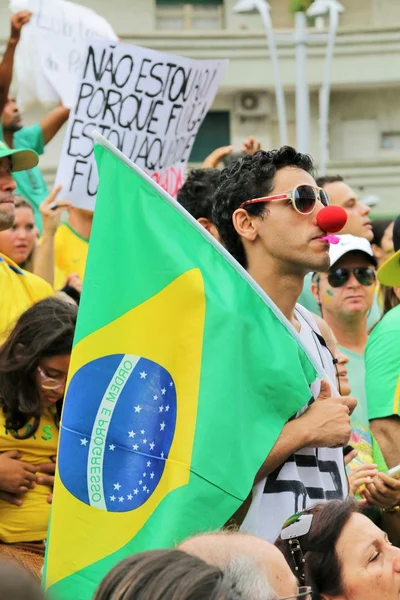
(181, 379)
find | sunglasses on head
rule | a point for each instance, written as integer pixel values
(292, 531)
(303, 198)
(340, 276)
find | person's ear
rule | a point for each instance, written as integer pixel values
(315, 292)
(246, 225)
(210, 226)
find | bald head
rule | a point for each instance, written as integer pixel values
(223, 549)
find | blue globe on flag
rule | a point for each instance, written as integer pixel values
(117, 429)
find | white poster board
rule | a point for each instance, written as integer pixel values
(49, 56)
(147, 103)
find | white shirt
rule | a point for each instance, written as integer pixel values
(307, 477)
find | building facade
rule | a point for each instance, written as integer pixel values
(364, 124)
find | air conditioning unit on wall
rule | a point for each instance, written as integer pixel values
(252, 104)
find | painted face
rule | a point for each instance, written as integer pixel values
(358, 222)
(51, 378)
(292, 239)
(18, 242)
(352, 297)
(369, 562)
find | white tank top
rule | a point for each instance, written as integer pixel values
(310, 475)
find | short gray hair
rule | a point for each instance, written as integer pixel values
(248, 579)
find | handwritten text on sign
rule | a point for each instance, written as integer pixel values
(147, 103)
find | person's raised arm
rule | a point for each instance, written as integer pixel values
(50, 210)
(18, 20)
(53, 122)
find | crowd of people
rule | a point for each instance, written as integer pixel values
(322, 520)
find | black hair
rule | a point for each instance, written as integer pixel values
(165, 575)
(323, 181)
(46, 329)
(378, 229)
(247, 178)
(322, 567)
(196, 194)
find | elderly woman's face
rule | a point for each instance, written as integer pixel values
(370, 564)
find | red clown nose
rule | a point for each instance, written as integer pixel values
(331, 219)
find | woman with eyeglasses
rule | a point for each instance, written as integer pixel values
(34, 363)
(341, 554)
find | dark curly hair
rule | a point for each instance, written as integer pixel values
(247, 178)
(46, 329)
(196, 194)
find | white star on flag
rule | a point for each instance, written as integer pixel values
(129, 496)
(138, 408)
(148, 491)
(140, 482)
(162, 455)
(121, 498)
(151, 445)
(155, 397)
(84, 442)
(135, 447)
(136, 491)
(148, 463)
(142, 431)
(117, 486)
(151, 475)
(111, 447)
(144, 474)
(162, 426)
(131, 434)
(112, 498)
(143, 375)
(170, 384)
(167, 408)
(163, 391)
(160, 409)
(144, 441)
(144, 488)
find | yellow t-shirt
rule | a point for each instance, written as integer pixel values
(28, 522)
(19, 289)
(70, 254)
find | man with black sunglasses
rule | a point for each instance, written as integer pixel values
(358, 224)
(266, 209)
(345, 295)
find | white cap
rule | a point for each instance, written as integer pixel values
(350, 243)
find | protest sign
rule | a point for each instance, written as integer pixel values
(49, 57)
(147, 103)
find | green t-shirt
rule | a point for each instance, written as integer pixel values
(307, 300)
(356, 375)
(382, 365)
(30, 184)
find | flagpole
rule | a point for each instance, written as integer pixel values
(102, 141)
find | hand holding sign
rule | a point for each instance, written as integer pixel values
(49, 56)
(18, 20)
